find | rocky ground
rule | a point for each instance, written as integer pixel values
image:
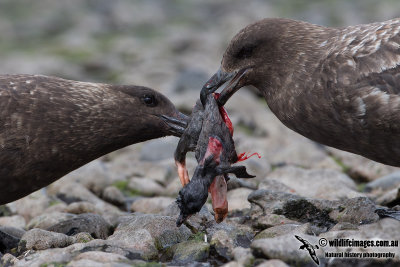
(120, 209)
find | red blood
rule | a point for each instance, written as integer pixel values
(214, 147)
(225, 116)
(243, 156)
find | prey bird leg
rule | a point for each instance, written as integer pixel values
(182, 172)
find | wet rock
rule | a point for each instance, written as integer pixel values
(152, 205)
(158, 149)
(237, 199)
(39, 239)
(276, 231)
(145, 186)
(384, 183)
(190, 251)
(148, 233)
(113, 195)
(15, 221)
(315, 183)
(86, 222)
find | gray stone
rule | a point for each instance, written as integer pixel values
(162, 172)
(384, 183)
(71, 192)
(389, 198)
(274, 185)
(246, 183)
(39, 239)
(95, 176)
(148, 233)
(15, 221)
(315, 183)
(273, 263)
(42, 257)
(276, 231)
(224, 242)
(46, 220)
(237, 199)
(145, 186)
(152, 204)
(242, 255)
(360, 168)
(8, 260)
(158, 149)
(32, 205)
(267, 220)
(93, 224)
(190, 251)
(98, 257)
(82, 207)
(355, 211)
(113, 195)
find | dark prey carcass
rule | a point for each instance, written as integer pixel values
(209, 134)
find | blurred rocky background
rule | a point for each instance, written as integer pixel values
(119, 210)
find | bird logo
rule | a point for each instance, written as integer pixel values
(311, 249)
